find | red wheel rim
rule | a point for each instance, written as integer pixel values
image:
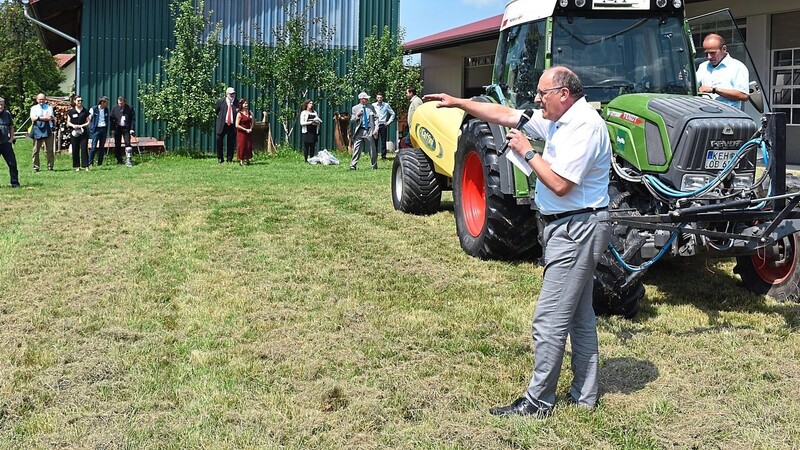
(768, 271)
(473, 194)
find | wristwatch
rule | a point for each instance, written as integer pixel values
(529, 156)
(713, 90)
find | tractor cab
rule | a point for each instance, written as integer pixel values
(616, 47)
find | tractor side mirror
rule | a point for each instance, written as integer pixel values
(756, 97)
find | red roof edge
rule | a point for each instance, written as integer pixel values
(64, 59)
(455, 36)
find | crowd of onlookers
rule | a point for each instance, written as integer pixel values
(84, 124)
(90, 127)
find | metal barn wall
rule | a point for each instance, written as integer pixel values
(122, 40)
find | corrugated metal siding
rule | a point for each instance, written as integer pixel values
(122, 40)
(240, 19)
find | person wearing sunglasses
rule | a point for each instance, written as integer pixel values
(572, 198)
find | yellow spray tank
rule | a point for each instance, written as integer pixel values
(435, 131)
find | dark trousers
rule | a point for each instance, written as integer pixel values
(380, 141)
(230, 132)
(8, 154)
(308, 150)
(119, 134)
(80, 151)
(98, 146)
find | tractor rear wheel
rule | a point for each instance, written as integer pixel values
(416, 188)
(490, 224)
(774, 270)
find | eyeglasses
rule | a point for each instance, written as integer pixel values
(542, 92)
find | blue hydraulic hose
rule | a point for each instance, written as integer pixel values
(646, 265)
(670, 192)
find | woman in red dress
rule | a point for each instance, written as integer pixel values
(244, 128)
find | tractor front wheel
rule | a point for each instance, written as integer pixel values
(416, 188)
(773, 270)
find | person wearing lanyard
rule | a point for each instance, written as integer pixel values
(98, 130)
(572, 197)
(366, 131)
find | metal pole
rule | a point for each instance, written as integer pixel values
(26, 7)
(775, 135)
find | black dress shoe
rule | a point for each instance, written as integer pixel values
(521, 407)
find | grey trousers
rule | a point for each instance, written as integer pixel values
(573, 246)
(360, 139)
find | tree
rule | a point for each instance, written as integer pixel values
(184, 98)
(383, 68)
(298, 60)
(27, 67)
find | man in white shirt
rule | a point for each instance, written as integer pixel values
(721, 76)
(43, 120)
(572, 197)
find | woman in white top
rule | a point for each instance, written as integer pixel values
(310, 121)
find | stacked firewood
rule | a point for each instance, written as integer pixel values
(61, 105)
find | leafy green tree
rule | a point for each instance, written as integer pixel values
(184, 98)
(27, 67)
(384, 68)
(296, 60)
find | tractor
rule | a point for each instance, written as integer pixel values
(690, 175)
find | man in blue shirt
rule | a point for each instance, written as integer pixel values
(722, 76)
(385, 117)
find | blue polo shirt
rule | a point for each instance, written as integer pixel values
(728, 74)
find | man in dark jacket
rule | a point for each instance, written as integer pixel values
(122, 118)
(226, 124)
(6, 141)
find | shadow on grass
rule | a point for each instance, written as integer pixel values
(625, 375)
(710, 288)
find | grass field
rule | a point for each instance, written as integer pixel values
(186, 304)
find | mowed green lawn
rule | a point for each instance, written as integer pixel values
(183, 304)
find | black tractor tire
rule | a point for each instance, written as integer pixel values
(490, 224)
(416, 188)
(618, 292)
(773, 271)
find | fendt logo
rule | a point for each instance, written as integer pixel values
(722, 144)
(427, 139)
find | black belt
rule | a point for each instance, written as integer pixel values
(552, 217)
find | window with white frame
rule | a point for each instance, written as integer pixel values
(786, 83)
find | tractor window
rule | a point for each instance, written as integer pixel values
(520, 62)
(622, 56)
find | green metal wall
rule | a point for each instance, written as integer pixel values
(121, 41)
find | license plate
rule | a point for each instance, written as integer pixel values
(716, 159)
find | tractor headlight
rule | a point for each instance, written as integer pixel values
(580, 3)
(742, 181)
(693, 182)
(676, 3)
(563, 3)
(661, 3)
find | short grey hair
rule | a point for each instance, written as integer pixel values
(2, 100)
(563, 76)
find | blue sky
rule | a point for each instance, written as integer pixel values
(422, 18)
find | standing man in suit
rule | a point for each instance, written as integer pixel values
(363, 115)
(122, 117)
(226, 124)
